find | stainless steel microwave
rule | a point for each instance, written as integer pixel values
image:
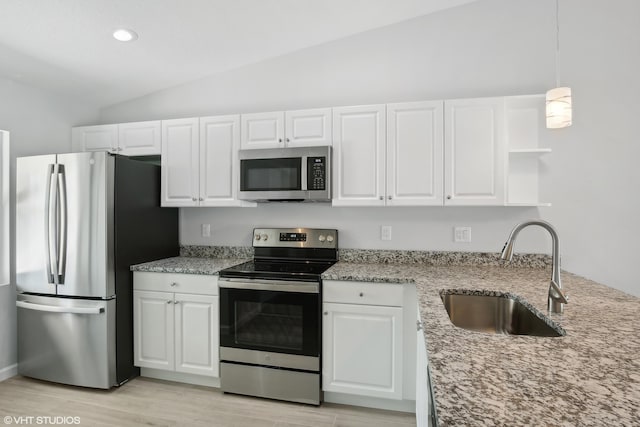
(301, 174)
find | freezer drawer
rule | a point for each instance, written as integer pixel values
(69, 341)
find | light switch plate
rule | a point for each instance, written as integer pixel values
(385, 232)
(462, 234)
(206, 230)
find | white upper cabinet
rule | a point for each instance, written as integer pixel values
(300, 128)
(139, 139)
(307, 128)
(219, 145)
(414, 154)
(200, 161)
(95, 138)
(180, 155)
(388, 155)
(359, 155)
(129, 139)
(474, 141)
(263, 130)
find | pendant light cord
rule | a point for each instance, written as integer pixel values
(557, 43)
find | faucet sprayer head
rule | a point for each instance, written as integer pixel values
(507, 251)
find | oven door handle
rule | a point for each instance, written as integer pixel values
(270, 285)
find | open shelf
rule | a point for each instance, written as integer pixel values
(530, 151)
(527, 166)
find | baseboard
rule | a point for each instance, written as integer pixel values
(180, 377)
(370, 402)
(8, 372)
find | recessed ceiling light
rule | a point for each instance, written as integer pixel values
(124, 35)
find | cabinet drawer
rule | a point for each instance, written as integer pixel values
(362, 293)
(174, 282)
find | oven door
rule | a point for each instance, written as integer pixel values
(270, 316)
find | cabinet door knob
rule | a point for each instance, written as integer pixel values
(280, 140)
(361, 294)
(174, 284)
(418, 325)
(169, 302)
(448, 197)
(326, 313)
(390, 197)
(176, 302)
(201, 199)
(287, 139)
(381, 198)
(195, 199)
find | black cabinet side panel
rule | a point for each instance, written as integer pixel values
(144, 231)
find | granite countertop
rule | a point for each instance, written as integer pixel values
(590, 377)
(188, 265)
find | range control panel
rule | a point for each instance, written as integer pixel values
(295, 237)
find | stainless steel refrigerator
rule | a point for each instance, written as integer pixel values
(81, 220)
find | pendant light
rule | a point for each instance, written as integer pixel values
(558, 101)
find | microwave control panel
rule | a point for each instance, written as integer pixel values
(316, 173)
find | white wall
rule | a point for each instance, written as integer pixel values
(492, 47)
(38, 123)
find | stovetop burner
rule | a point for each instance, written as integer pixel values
(282, 270)
(288, 254)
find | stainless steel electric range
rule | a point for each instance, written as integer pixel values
(270, 315)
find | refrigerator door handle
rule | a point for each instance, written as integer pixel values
(47, 223)
(58, 309)
(62, 225)
(52, 225)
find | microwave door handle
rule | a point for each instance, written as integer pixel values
(47, 224)
(303, 174)
(62, 223)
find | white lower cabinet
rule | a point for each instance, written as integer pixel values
(368, 344)
(176, 331)
(362, 347)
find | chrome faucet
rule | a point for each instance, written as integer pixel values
(557, 298)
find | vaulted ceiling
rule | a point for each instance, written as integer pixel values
(67, 46)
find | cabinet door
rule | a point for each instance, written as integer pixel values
(474, 151)
(139, 138)
(219, 144)
(359, 155)
(306, 128)
(153, 330)
(415, 154)
(197, 334)
(95, 138)
(262, 130)
(180, 151)
(362, 350)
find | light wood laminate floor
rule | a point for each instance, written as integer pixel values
(150, 402)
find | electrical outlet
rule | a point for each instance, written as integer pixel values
(206, 230)
(385, 232)
(462, 234)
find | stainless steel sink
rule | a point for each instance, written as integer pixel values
(500, 314)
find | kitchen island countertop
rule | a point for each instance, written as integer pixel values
(591, 376)
(188, 265)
